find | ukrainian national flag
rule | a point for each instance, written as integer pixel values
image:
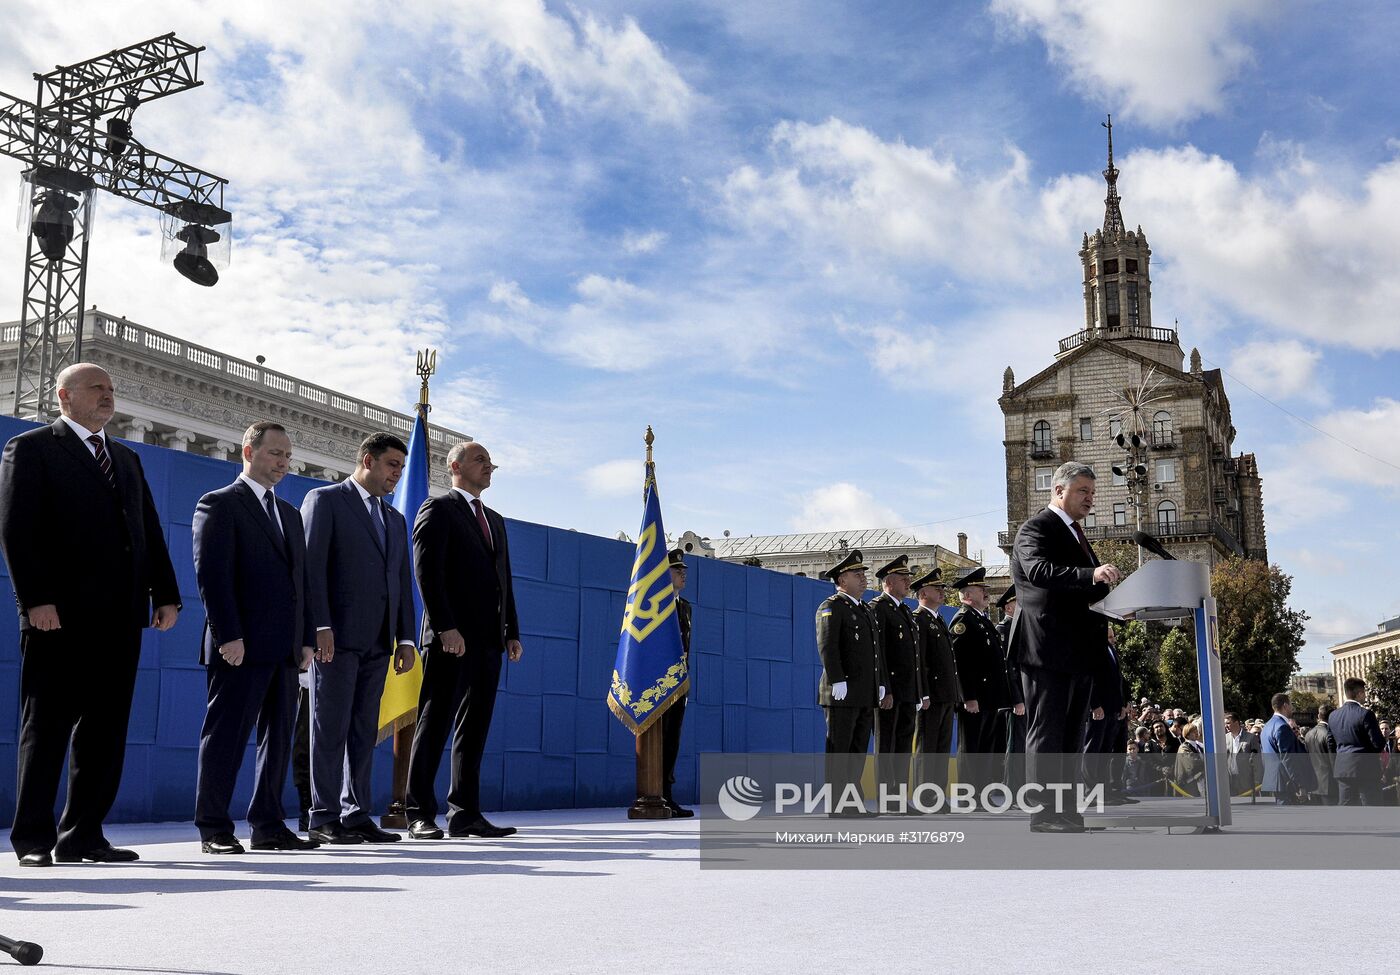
(650, 672)
(398, 707)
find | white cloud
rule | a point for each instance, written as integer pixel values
(602, 290)
(841, 506)
(613, 478)
(1162, 63)
(1372, 430)
(1281, 369)
(639, 242)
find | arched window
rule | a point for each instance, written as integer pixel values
(1040, 438)
(1162, 427)
(1166, 517)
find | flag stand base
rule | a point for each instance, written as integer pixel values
(649, 804)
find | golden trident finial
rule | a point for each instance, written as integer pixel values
(649, 439)
(427, 365)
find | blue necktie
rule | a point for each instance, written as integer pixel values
(377, 516)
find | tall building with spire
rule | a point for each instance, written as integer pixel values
(1121, 396)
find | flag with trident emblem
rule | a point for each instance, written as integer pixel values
(650, 672)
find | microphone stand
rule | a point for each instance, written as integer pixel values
(24, 952)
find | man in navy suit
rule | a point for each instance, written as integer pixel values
(250, 562)
(1288, 773)
(88, 560)
(1057, 640)
(1359, 744)
(462, 561)
(361, 583)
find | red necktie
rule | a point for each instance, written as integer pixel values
(1083, 542)
(481, 520)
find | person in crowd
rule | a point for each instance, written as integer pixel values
(1190, 761)
(1358, 741)
(1322, 749)
(674, 717)
(1288, 774)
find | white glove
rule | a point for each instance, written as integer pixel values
(923, 706)
(838, 691)
(882, 692)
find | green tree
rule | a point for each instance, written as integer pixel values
(1137, 657)
(1119, 552)
(1305, 705)
(1383, 687)
(1260, 635)
(1176, 670)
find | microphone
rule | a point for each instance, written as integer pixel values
(24, 952)
(1146, 541)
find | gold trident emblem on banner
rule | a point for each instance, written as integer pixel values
(643, 605)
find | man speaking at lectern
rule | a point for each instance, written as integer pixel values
(1056, 638)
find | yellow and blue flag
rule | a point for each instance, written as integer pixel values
(398, 705)
(650, 672)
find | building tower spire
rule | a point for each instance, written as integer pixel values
(1112, 215)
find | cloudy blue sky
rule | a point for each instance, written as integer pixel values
(801, 239)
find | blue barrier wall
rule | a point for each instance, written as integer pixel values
(553, 743)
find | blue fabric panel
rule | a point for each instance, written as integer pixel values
(529, 551)
(563, 557)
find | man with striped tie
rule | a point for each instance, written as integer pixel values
(88, 560)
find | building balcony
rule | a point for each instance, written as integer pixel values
(1189, 530)
(1163, 335)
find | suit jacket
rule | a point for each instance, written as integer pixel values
(465, 583)
(355, 585)
(849, 646)
(254, 582)
(1243, 763)
(71, 540)
(1358, 737)
(1013, 670)
(899, 649)
(1108, 690)
(1054, 627)
(981, 663)
(1322, 750)
(1286, 766)
(940, 667)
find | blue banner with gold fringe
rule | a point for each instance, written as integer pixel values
(650, 672)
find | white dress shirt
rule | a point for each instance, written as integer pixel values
(261, 493)
(83, 434)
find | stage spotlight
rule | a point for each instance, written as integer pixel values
(191, 242)
(118, 136)
(193, 260)
(53, 223)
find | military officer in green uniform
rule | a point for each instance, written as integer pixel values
(851, 685)
(941, 688)
(904, 678)
(674, 715)
(982, 673)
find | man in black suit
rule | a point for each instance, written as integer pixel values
(852, 682)
(674, 716)
(1107, 735)
(361, 596)
(1057, 639)
(1359, 744)
(1015, 716)
(87, 558)
(250, 562)
(904, 678)
(462, 561)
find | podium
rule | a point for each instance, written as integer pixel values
(1170, 589)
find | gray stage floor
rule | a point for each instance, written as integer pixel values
(587, 891)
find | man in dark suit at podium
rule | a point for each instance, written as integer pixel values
(87, 558)
(469, 623)
(250, 561)
(1057, 640)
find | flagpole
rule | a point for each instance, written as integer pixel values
(396, 815)
(649, 803)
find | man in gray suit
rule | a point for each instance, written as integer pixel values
(1322, 749)
(361, 597)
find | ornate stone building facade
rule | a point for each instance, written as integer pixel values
(1121, 375)
(1354, 658)
(187, 397)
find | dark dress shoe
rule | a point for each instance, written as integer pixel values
(678, 811)
(373, 834)
(101, 854)
(1057, 826)
(480, 827)
(285, 840)
(334, 834)
(424, 829)
(39, 858)
(221, 843)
